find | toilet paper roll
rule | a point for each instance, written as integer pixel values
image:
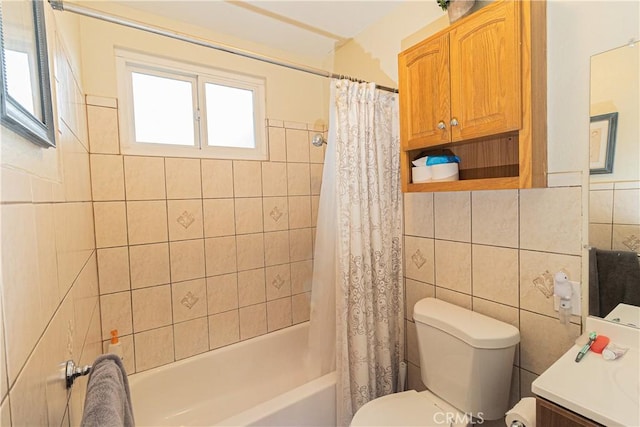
(524, 412)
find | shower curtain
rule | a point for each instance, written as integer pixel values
(357, 277)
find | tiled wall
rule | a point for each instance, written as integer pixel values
(495, 252)
(196, 254)
(614, 215)
(49, 289)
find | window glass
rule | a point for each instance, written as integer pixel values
(229, 116)
(163, 110)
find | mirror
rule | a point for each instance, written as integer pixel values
(25, 105)
(614, 194)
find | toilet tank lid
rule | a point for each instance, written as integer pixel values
(475, 329)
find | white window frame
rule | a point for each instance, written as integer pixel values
(128, 62)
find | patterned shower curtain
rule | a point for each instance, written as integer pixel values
(369, 288)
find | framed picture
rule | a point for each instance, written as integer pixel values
(602, 142)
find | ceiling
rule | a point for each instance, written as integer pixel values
(305, 28)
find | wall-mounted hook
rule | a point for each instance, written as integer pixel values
(72, 372)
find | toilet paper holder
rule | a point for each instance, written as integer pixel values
(516, 424)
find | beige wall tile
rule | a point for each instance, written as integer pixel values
(116, 314)
(299, 211)
(453, 216)
(185, 219)
(4, 385)
(250, 251)
(276, 247)
(187, 260)
(526, 378)
(298, 179)
(247, 178)
(76, 170)
(103, 130)
(315, 177)
(418, 214)
(220, 255)
(75, 240)
(217, 178)
(113, 270)
(249, 213)
(301, 276)
(414, 292)
(253, 321)
(495, 274)
(300, 307)
(191, 337)
(504, 313)
(151, 307)
(47, 258)
(536, 331)
(110, 224)
(149, 265)
(626, 238)
(419, 259)
(414, 379)
(315, 204)
(453, 265)
(278, 281)
(219, 217)
(494, 219)
(154, 348)
(5, 413)
(300, 244)
(183, 178)
(274, 179)
(277, 144)
(144, 178)
(189, 300)
(22, 302)
(412, 354)
(15, 186)
(558, 232)
(601, 206)
(251, 287)
(626, 206)
(295, 125)
(222, 293)
(224, 329)
(536, 278)
(275, 213)
(279, 314)
(147, 222)
(107, 177)
(601, 235)
(453, 297)
(297, 145)
(28, 395)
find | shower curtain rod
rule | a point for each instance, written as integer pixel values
(59, 5)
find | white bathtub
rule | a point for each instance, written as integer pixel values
(258, 382)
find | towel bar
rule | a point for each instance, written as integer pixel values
(72, 372)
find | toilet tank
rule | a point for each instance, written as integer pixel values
(466, 358)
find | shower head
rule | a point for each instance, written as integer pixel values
(318, 140)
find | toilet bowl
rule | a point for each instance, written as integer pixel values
(466, 361)
(409, 408)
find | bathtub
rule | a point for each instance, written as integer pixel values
(258, 382)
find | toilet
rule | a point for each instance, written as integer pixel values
(466, 361)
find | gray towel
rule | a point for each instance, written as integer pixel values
(618, 279)
(108, 400)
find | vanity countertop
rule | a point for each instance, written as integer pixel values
(607, 392)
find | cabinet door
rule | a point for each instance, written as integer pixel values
(424, 94)
(485, 73)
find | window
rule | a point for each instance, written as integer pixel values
(175, 109)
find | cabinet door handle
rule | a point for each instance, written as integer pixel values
(441, 125)
(454, 122)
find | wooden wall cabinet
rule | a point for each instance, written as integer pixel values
(469, 89)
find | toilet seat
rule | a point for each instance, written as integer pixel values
(409, 408)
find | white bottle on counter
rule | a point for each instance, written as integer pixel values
(115, 347)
